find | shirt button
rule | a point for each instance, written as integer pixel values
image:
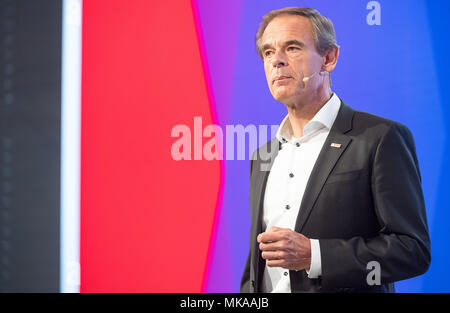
(291, 175)
(286, 273)
(297, 144)
(288, 206)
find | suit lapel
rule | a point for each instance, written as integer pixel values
(326, 161)
(261, 173)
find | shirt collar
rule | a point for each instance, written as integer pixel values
(324, 118)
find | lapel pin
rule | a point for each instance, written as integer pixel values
(335, 145)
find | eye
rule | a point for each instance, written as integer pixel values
(268, 53)
(293, 48)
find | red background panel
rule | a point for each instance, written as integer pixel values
(146, 220)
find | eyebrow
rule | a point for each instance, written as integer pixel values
(294, 42)
(287, 43)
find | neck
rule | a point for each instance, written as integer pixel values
(302, 111)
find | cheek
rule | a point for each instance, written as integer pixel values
(267, 71)
(269, 81)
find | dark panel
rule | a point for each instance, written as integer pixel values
(30, 75)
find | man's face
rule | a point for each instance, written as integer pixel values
(289, 55)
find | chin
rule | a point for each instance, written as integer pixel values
(282, 93)
(281, 96)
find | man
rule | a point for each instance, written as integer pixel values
(338, 206)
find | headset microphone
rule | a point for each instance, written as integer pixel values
(307, 78)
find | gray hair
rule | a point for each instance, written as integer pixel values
(322, 27)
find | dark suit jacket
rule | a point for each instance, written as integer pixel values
(363, 201)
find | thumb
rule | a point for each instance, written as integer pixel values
(275, 229)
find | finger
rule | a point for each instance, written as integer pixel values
(271, 246)
(261, 236)
(271, 236)
(271, 230)
(272, 255)
(275, 263)
(258, 238)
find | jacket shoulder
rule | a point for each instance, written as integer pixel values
(368, 122)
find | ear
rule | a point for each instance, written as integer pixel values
(330, 59)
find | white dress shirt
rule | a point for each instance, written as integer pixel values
(287, 182)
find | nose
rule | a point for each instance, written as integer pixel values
(279, 59)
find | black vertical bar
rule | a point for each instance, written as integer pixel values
(30, 110)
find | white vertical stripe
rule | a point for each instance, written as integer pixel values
(70, 146)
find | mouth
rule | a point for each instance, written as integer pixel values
(280, 79)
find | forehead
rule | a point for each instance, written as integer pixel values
(288, 27)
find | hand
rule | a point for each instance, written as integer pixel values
(285, 248)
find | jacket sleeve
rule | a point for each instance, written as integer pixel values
(402, 246)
